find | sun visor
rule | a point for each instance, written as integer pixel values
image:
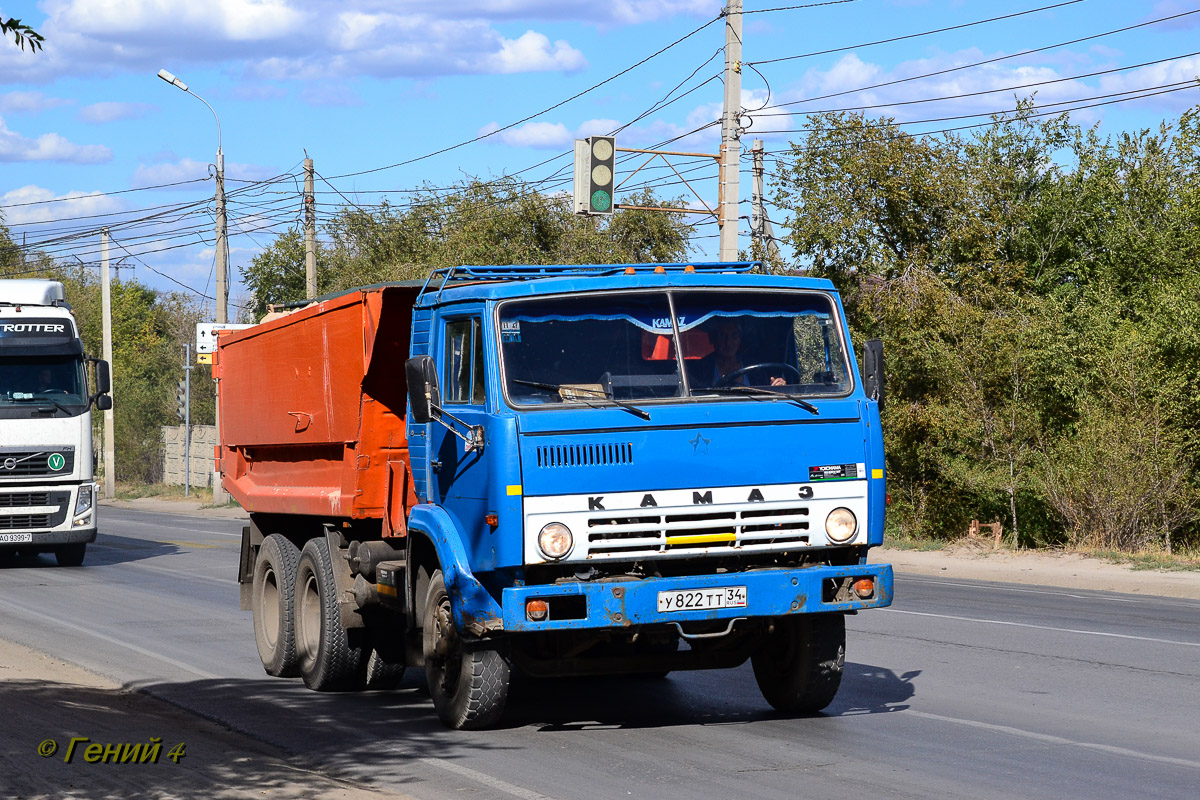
(72, 347)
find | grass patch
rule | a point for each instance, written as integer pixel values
(159, 491)
(913, 542)
(1159, 561)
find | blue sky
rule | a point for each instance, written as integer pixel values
(363, 84)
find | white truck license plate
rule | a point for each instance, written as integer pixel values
(702, 599)
(13, 538)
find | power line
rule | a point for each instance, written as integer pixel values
(974, 94)
(989, 60)
(907, 36)
(559, 104)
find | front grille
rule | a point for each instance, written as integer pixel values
(36, 463)
(676, 530)
(22, 521)
(24, 499)
(585, 455)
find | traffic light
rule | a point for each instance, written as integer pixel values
(595, 166)
(181, 401)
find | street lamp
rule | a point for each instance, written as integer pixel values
(222, 242)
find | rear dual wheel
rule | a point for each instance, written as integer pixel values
(328, 662)
(272, 590)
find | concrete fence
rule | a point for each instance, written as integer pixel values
(204, 438)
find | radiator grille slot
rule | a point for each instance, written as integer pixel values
(585, 455)
(24, 499)
(19, 521)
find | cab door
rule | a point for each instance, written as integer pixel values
(461, 478)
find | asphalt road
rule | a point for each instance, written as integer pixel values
(961, 689)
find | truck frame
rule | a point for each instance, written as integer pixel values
(567, 470)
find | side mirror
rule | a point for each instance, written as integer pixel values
(103, 402)
(873, 371)
(423, 393)
(103, 378)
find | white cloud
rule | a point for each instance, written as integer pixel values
(30, 102)
(48, 147)
(112, 112)
(532, 52)
(188, 169)
(307, 39)
(50, 207)
(548, 135)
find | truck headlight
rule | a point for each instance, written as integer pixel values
(83, 503)
(555, 541)
(841, 525)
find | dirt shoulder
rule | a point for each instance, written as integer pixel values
(47, 700)
(1066, 570)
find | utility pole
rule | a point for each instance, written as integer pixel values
(760, 225)
(731, 148)
(110, 469)
(222, 242)
(187, 420)
(310, 232)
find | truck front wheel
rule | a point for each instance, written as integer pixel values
(272, 601)
(70, 555)
(327, 661)
(799, 665)
(468, 680)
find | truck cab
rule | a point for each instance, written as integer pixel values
(47, 489)
(640, 457)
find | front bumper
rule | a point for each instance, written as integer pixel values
(624, 604)
(33, 516)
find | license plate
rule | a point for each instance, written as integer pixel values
(15, 538)
(702, 599)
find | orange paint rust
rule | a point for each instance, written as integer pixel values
(312, 409)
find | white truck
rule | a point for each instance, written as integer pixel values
(47, 489)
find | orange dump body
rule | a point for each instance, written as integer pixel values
(312, 410)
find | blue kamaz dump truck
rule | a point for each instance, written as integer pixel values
(564, 470)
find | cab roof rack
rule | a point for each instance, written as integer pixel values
(518, 272)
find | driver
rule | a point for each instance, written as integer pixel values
(726, 338)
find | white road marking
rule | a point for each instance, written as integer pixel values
(1046, 738)
(42, 617)
(1043, 627)
(484, 778)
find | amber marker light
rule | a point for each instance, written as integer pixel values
(492, 519)
(630, 271)
(864, 587)
(537, 610)
(660, 270)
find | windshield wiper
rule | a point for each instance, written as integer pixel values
(756, 391)
(558, 387)
(41, 399)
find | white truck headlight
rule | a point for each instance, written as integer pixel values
(841, 525)
(83, 503)
(555, 541)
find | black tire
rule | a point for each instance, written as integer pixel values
(799, 665)
(468, 679)
(70, 555)
(379, 675)
(272, 599)
(327, 661)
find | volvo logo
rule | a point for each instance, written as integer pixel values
(10, 463)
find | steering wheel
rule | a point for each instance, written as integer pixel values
(727, 380)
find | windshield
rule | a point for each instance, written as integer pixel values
(41, 380)
(627, 346)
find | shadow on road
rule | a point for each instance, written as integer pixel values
(873, 690)
(108, 549)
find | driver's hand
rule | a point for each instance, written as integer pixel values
(778, 382)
